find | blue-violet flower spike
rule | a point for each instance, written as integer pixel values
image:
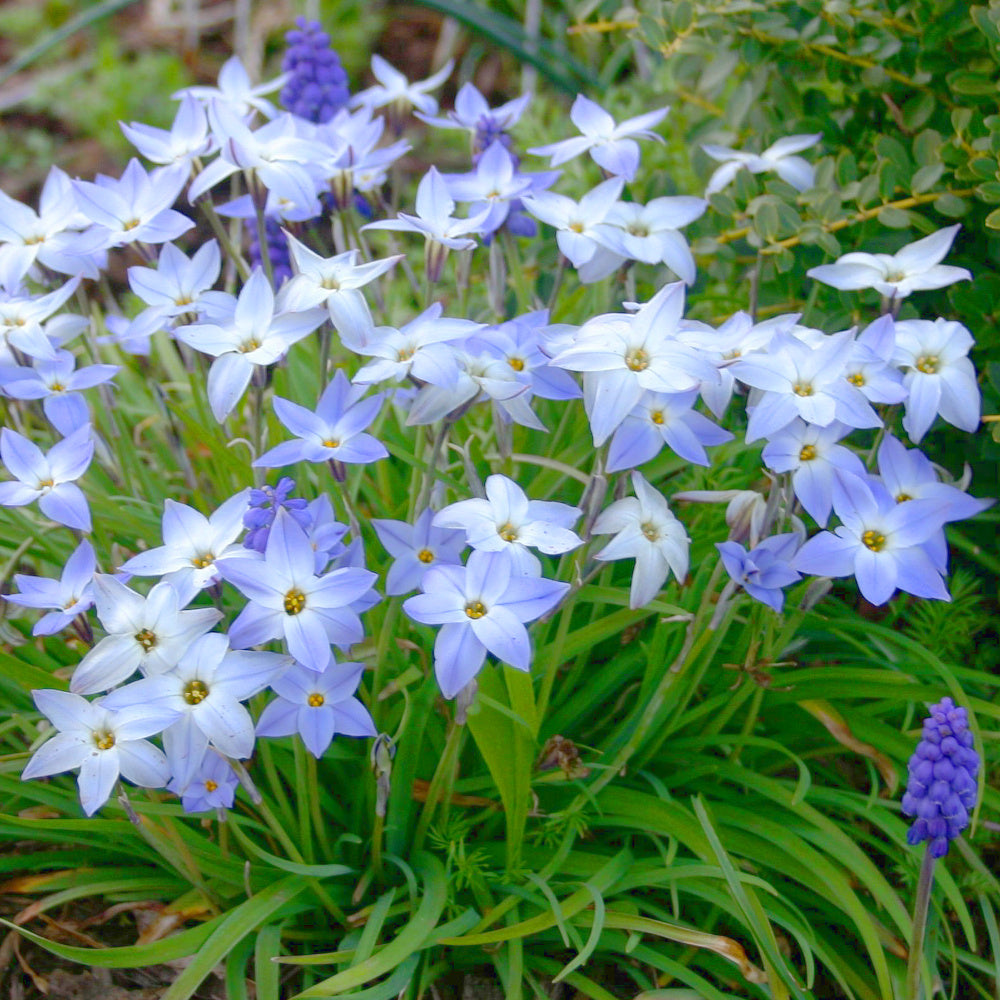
(942, 788)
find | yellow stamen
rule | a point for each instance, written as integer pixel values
(295, 601)
(195, 692)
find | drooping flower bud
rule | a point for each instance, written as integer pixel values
(941, 791)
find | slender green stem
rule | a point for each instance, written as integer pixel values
(557, 284)
(378, 833)
(311, 792)
(442, 782)
(265, 256)
(920, 911)
(440, 436)
(222, 235)
(302, 801)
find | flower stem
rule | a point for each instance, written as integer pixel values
(441, 783)
(924, 885)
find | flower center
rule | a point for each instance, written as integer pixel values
(637, 359)
(295, 601)
(808, 453)
(873, 540)
(200, 562)
(638, 229)
(248, 345)
(425, 556)
(33, 240)
(650, 530)
(146, 639)
(857, 379)
(516, 363)
(195, 692)
(475, 609)
(656, 416)
(576, 227)
(183, 299)
(57, 387)
(315, 700)
(802, 389)
(331, 443)
(210, 786)
(104, 741)
(404, 354)
(507, 532)
(928, 364)
(734, 353)
(131, 224)
(903, 497)
(45, 484)
(330, 283)
(895, 277)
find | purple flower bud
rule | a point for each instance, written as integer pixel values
(317, 84)
(942, 788)
(264, 504)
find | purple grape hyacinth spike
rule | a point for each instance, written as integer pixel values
(316, 88)
(942, 788)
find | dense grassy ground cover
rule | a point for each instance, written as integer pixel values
(694, 796)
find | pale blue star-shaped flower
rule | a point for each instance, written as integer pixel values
(660, 419)
(644, 529)
(22, 316)
(442, 231)
(576, 223)
(492, 186)
(58, 384)
(765, 570)
(258, 334)
(70, 595)
(482, 608)
(869, 366)
(204, 692)
(335, 282)
(916, 267)
(880, 542)
(333, 432)
(415, 548)
(650, 233)
(236, 90)
(471, 108)
(48, 477)
(212, 785)
(815, 460)
(102, 743)
(395, 93)
(136, 207)
(625, 354)
(148, 633)
(317, 706)
(506, 520)
(186, 139)
(938, 375)
(51, 236)
(610, 145)
(778, 157)
(420, 348)
(288, 600)
(177, 284)
(800, 379)
(191, 544)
